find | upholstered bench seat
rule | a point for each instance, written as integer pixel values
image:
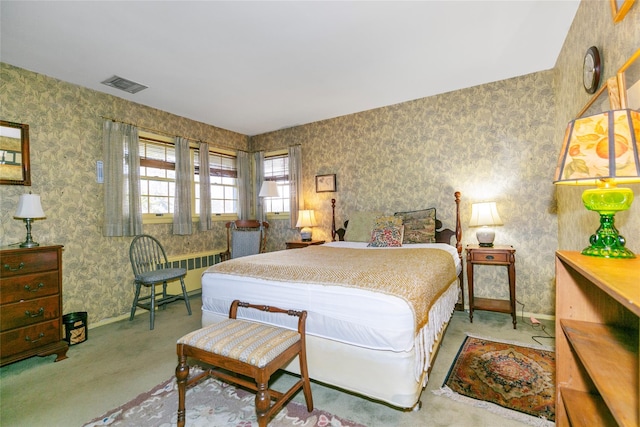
(239, 351)
(253, 343)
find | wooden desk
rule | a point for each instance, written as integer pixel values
(495, 255)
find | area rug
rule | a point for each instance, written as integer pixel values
(210, 403)
(513, 380)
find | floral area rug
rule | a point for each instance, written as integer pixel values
(512, 380)
(211, 403)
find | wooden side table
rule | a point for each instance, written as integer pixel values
(495, 255)
(300, 244)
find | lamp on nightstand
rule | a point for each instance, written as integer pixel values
(485, 215)
(602, 150)
(268, 189)
(29, 209)
(306, 219)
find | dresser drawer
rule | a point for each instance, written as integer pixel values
(24, 313)
(29, 286)
(490, 256)
(15, 264)
(29, 338)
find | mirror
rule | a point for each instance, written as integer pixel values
(629, 82)
(14, 154)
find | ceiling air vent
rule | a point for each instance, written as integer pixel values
(124, 84)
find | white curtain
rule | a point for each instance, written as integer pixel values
(244, 184)
(122, 211)
(258, 160)
(182, 204)
(296, 200)
(205, 188)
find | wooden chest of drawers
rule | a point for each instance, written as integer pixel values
(31, 303)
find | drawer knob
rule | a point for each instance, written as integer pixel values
(489, 256)
(40, 336)
(39, 313)
(19, 267)
(28, 288)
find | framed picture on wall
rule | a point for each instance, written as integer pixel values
(619, 9)
(325, 183)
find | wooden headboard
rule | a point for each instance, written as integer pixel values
(443, 235)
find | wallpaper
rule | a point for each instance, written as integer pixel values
(65, 124)
(496, 142)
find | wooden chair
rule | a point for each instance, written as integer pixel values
(245, 237)
(247, 349)
(150, 268)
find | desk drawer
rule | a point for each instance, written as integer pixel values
(25, 313)
(485, 256)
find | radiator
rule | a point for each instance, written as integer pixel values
(195, 264)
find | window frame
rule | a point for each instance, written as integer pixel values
(286, 178)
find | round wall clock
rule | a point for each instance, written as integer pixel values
(591, 68)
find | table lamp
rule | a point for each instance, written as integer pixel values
(485, 215)
(306, 220)
(29, 209)
(602, 150)
(268, 189)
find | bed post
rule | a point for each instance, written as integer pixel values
(459, 305)
(333, 220)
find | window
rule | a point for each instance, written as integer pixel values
(158, 178)
(276, 168)
(223, 175)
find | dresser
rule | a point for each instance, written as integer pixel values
(597, 367)
(31, 303)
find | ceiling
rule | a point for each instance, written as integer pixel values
(257, 66)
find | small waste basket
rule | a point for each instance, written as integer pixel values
(75, 327)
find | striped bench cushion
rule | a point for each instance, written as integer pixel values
(253, 343)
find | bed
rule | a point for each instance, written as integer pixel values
(373, 325)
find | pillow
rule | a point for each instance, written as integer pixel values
(360, 226)
(386, 237)
(419, 226)
(388, 221)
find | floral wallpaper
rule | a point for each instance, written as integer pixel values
(496, 142)
(65, 126)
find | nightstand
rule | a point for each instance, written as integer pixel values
(300, 244)
(495, 255)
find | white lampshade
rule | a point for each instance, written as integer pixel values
(29, 206)
(306, 219)
(269, 189)
(485, 215)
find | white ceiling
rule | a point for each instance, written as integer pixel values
(254, 67)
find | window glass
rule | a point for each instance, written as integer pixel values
(223, 176)
(276, 168)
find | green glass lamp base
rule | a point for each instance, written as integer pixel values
(607, 242)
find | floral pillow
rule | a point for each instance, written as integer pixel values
(384, 237)
(419, 226)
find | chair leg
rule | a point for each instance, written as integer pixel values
(263, 401)
(182, 374)
(152, 312)
(306, 384)
(135, 302)
(186, 297)
(164, 294)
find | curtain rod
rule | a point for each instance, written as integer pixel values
(171, 135)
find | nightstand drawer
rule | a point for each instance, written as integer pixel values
(489, 256)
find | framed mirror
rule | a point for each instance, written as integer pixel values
(14, 154)
(629, 82)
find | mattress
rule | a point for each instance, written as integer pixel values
(344, 314)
